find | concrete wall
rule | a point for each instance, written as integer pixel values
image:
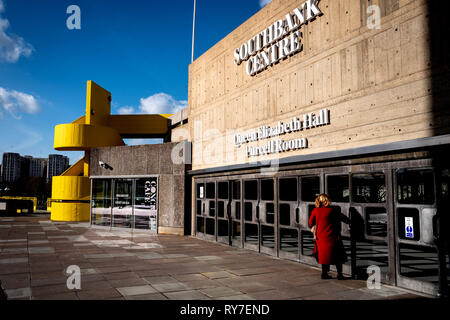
(377, 83)
(149, 160)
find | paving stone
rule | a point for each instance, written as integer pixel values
(169, 287)
(149, 255)
(220, 292)
(151, 296)
(13, 260)
(218, 275)
(187, 295)
(19, 293)
(58, 296)
(160, 280)
(237, 297)
(39, 250)
(207, 258)
(136, 290)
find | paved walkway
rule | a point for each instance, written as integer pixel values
(35, 252)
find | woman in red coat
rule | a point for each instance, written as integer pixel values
(328, 248)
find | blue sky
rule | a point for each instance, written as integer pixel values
(138, 50)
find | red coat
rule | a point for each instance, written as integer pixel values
(328, 240)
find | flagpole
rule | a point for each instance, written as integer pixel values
(193, 31)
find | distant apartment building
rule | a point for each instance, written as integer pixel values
(38, 167)
(11, 167)
(57, 164)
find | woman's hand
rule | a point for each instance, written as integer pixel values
(313, 230)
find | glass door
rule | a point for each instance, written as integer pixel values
(288, 218)
(223, 212)
(415, 213)
(370, 223)
(251, 215)
(145, 204)
(267, 217)
(235, 207)
(122, 212)
(101, 202)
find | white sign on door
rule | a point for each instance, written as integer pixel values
(409, 227)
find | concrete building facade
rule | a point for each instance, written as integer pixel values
(56, 165)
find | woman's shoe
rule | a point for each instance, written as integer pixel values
(325, 276)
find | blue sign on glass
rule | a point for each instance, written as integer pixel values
(409, 227)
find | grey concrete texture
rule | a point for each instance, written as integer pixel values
(166, 267)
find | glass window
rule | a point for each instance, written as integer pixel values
(212, 208)
(200, 190)
(221, 209)
(251, 190)
(376, 221)
(415, 186)
(419, 263)
(270, 213)
(445, 181)
(285, 214)
(210, 190)
(267, 190)
(145, 204)
(122, 208)
(310, 188)
(101, 202)
(248, 214)
(289, 240)
(369, 188)
(338, 188)
(222, 190)
(236, 190)
(288, 189)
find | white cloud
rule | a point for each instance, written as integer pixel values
(15, 102)
(126, 110)
(161, 103)
(12, 47)
(263, 3)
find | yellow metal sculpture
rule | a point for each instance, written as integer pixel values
(98, 128)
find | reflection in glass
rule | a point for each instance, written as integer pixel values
(310, 188)
(145, 204)
(122, 204)
(419, 263)
(415, 186)
(268, 236)
(101, 202)
(369, 188)
(338, 188)
(370, 253)
(376, 221)
(289, 240)
(307, 243)
(288, 189)
(251, 233)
